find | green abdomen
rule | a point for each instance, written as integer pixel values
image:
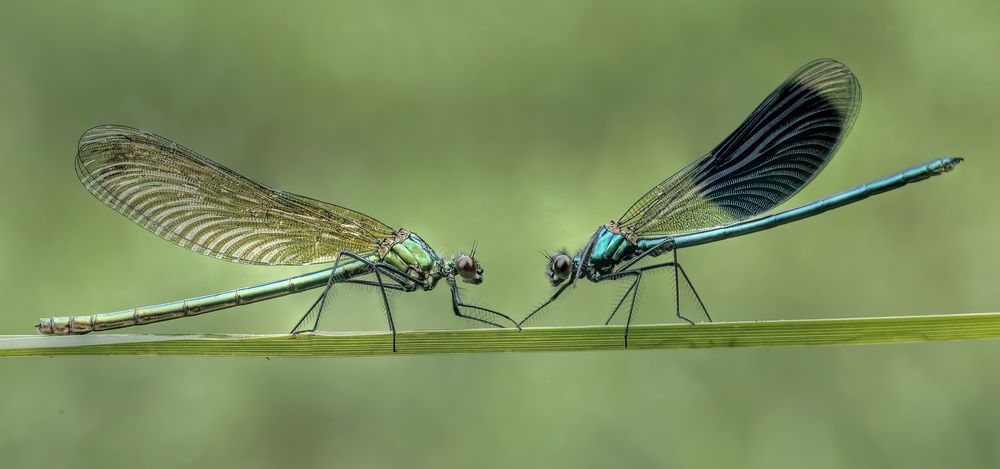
(67, 325)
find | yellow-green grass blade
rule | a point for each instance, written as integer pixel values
(538, 339)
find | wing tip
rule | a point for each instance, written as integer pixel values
(103, 133)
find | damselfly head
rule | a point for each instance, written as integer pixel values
(560, 268)
(467, 267)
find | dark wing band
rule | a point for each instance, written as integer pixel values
(777, 150)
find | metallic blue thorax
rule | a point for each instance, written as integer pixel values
(612, 247)
(609, 250)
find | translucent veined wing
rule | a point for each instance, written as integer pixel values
(777, 150)
(199, 204)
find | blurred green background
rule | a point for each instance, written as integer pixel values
(522, 125)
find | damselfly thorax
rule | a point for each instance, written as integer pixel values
(408, 252)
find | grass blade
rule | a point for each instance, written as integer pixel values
(878, 330)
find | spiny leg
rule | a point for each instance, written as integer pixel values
(456, 304)
(550, 300)
(696, 296)
(620, 303)
(320, 303)
(634, 291)
(394, 274)
(677, 291)
(388, 309)
(655, 251)
(631, 308)
(679, 268)
(377, 269)
(660, 248)
(404, 282)
(317, 305)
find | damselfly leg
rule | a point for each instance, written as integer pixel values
(633, 290)
(457, 304)
(547, 302)
(401, 281)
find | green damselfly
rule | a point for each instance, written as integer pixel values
(201, 205)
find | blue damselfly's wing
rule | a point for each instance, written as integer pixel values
(199, 204)
(777, 150)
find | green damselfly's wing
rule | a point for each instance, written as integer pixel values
(199, 204)
(777, 150)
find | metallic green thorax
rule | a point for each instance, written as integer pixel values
(405, 251)
(411, 254)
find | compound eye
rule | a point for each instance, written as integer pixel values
(562, 266)
(466, 266)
